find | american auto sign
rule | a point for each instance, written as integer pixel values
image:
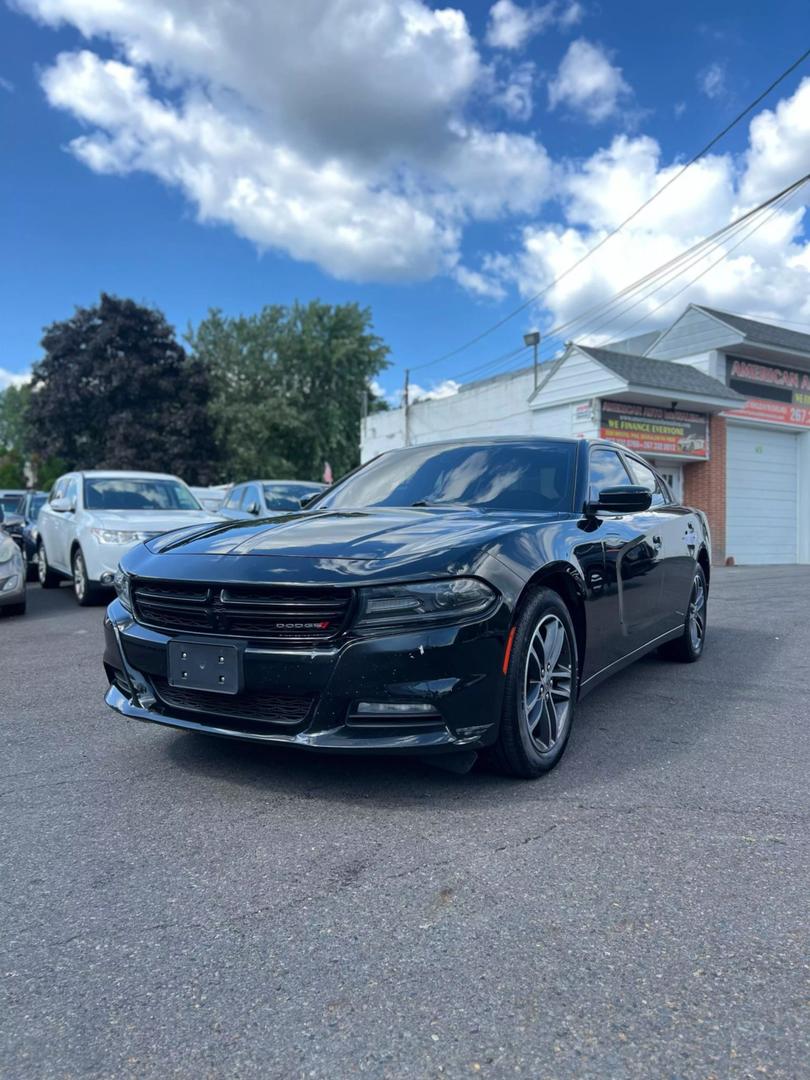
(781, 395)
(650, 430)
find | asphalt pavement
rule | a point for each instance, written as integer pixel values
(173, 905)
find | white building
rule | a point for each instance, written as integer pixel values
(719, 403)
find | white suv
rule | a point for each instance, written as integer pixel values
(92, 518)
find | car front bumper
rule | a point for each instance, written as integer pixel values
(12, 583)
(455, 671)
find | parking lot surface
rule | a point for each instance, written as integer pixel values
(176, 905)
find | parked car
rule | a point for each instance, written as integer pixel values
(460, 596)
(211, 498)
(93, 518)
(13, 523)
(10, 499)
(29, 508)
(12, 573)
(265, 498)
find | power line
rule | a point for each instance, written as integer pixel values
(676, 176)
(658, 278)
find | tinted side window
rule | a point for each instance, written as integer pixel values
(645, 477)
(233, 500)
(606, 471)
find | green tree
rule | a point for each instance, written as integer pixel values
(13, 435)
(116, 390)
(288, 387)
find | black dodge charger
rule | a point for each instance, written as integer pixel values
(455, 597)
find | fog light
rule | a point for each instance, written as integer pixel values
(10, 584)
(107, 577)
(386, 708)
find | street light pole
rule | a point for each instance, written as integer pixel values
(533, 339)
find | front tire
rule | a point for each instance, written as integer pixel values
(83, 589)
(541, 689)
(48, 578)
(688, 648)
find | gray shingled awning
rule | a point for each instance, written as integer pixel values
(760, 333)
(644, 372)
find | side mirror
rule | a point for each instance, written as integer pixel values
(308, 499)
(252, 508)
(628, 499)
(62, 506)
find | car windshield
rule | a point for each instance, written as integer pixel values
(10, 503)
(288, 496)
(529, 475)
(116, 493)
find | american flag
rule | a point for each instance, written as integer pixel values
(327, 473)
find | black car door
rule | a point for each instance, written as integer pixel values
(634, 563)
(678, 539)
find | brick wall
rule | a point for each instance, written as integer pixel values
(704, 487)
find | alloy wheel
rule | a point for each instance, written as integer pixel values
(548, 683)
(79, 576)
(697, 614)
(42, 565)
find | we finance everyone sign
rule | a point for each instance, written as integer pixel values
(778, 394)
(650, 430)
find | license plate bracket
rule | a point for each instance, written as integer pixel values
(196, 665)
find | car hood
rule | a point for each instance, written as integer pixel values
(398, 534)
(154, 522)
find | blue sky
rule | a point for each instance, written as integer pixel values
(440, 184)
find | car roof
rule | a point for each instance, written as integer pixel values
(298, 483)
(125, 474)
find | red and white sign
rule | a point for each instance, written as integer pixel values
(785, 392)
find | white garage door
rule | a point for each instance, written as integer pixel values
(761, 495)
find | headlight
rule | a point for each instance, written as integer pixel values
(115, 536)
(9, 551)
(395, 606)
(121, 581)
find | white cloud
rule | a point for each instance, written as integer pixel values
(336, 133)
(511, 25)
(767, 275)
(712, 81)
(779, 146)
(446, 388)
(13, 378)
(443, 389)
(483, 285)
(588, 83)
(516, 95)
(7, 85)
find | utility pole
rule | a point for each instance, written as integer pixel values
(533, 339)
(406, 398)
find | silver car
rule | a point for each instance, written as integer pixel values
(12, 575)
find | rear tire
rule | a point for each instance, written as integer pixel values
(541, 689)
(688, 648)
(84, 590)
(48, 578)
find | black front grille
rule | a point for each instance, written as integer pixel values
(299, 616)
(258, 705)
